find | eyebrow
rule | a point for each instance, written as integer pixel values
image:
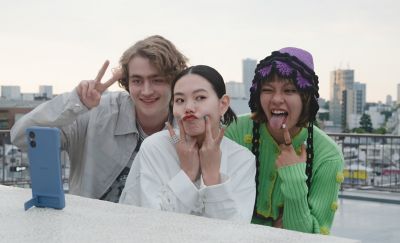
(151, 76)
(194, 92)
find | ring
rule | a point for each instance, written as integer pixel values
(175, 139)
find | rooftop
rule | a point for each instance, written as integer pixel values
(90, 220)
(373, 217)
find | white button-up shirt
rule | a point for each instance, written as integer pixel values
(157, 181)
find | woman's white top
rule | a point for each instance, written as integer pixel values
(156, 180)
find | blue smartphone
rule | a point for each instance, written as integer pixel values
(44, 153)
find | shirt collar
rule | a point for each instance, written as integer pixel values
(126, 118)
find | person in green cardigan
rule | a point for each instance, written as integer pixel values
(299, 168)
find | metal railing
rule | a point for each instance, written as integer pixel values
(371, 162)
(14, 164)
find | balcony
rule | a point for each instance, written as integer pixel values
(14, 164)
(372, 162)
(369, 206)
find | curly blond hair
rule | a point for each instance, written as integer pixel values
(162, 54)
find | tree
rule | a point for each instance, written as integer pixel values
(387, 114)
(326, 106)
(365, 123)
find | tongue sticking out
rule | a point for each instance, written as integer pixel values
(276, 122)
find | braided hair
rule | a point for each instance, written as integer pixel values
(296, 65)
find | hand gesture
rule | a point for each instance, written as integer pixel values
(187, 150)
(288, 155)
(90, 91)
(210, 155)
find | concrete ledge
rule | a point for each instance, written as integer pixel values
(89, 220)
(372, 196)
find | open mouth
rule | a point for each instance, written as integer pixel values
(278, 117)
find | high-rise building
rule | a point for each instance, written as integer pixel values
(398, 94)
(389, 100)
(341, 80)
(235, 90)
(11, 92)
(46, 91)
(360, 91)
(354, 102)
(248, 68)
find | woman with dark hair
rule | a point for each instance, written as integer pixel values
(195, 170)
(299, 168)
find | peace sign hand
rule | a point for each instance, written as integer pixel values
(288, 155)
(90, 91)
(210, 155)
(187, 150)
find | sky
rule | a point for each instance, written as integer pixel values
(60, 43)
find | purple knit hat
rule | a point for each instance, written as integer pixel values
(291, 63)
(301, 54)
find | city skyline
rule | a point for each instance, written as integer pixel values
(60, 43)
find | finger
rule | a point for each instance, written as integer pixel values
(84, 89)
(286, 135)
(117, 75)
(303, 153)
(109, 82)
(102, 71)
(220, 135)
(170, 129)
(91, 88)
(79, 90)
(182, 134)
(208, 127)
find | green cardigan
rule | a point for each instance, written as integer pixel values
(286, 187)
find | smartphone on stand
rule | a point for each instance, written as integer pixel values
(44, 153)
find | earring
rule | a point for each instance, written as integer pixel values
(221, 122)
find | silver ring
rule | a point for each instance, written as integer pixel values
(175, 139)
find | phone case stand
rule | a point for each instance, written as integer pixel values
(45, 201)
(33, 202)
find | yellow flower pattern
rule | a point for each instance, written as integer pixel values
(339, 177)
(248, 138)
(324, 230)
(334, 206)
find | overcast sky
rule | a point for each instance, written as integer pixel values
(59, 43)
